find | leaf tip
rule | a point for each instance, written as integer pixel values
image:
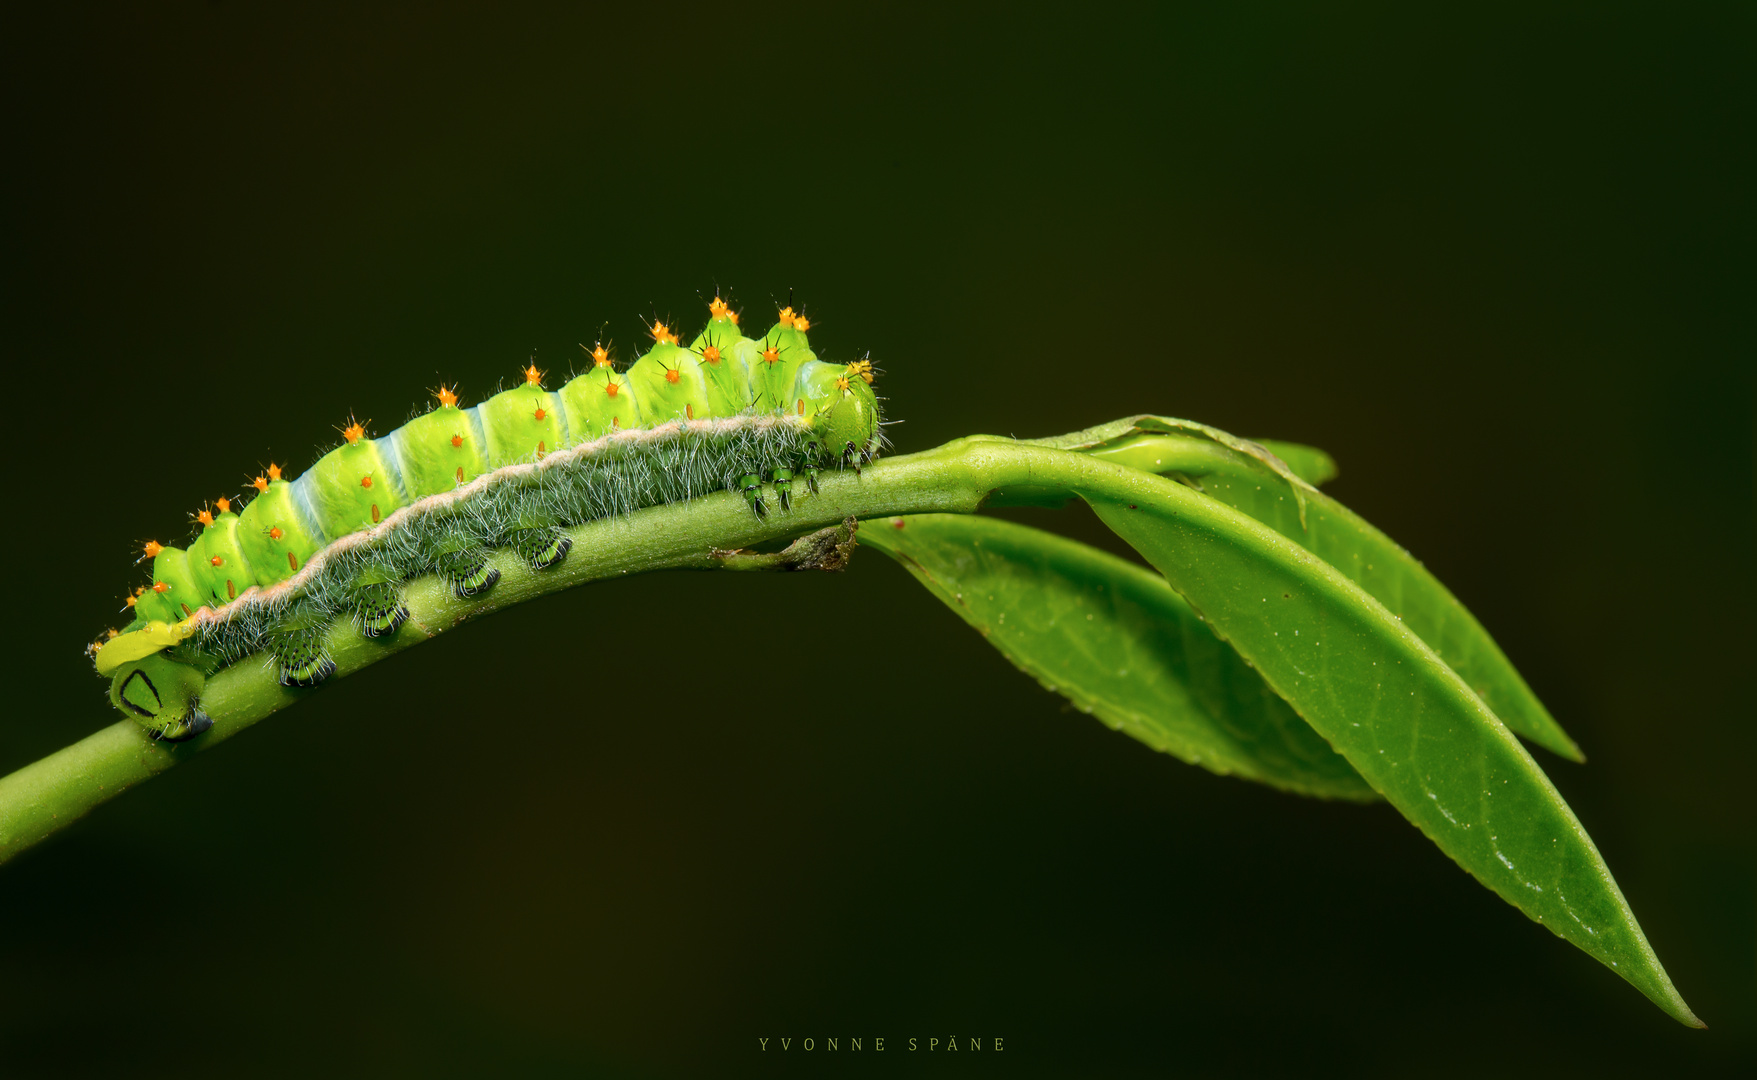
(1562, 746)
(1666, 996)
(1682, 1014)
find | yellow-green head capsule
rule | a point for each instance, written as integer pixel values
(843, 410)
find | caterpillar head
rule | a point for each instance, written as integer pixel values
(843, 409)
(162, 696)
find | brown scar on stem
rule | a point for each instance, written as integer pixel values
(826, 549)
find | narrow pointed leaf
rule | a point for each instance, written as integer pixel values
(1246, 477)
(1400, 715)
(1119, 643)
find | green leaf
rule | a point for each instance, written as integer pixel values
(1119, 643)
(1395, 709)
(1246, 477)
(1306, 462)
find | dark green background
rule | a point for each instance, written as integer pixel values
(1498, 260)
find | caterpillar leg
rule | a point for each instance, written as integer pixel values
(805, 463)
(784, 488)
(381, 609)
(301, 647)
(466, 569)
(542, 547)
(376, 596)
(162, 696)
(752, 486)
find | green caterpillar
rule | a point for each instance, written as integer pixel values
(436, 495)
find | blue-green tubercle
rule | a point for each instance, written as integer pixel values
(438, 494)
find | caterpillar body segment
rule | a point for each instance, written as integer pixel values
(173, 595)
(217, 563)
(600, 403)
(728, 362)
(438, 450)
(354, 486)
(670, 385)
(521, 424)
(276, 534)
(338, 544)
